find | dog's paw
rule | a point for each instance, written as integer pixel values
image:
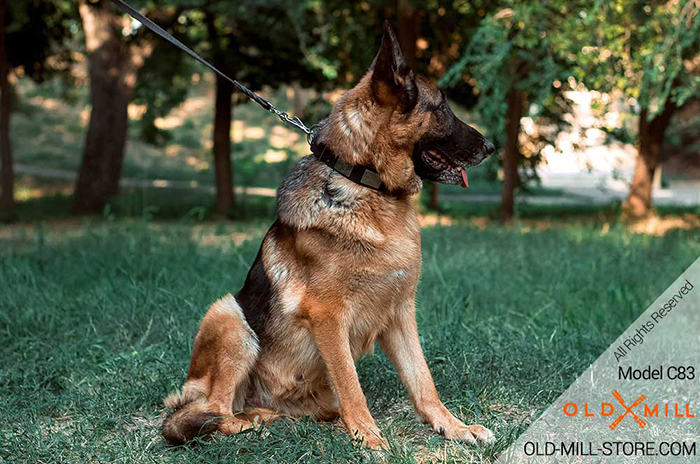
(375, 443)
(370, 437)
(472, 434)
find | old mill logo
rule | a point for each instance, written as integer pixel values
(608, 409)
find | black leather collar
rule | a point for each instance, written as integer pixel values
(361, 175)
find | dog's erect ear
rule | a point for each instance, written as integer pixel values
(392, 80)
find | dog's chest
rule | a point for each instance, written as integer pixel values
(393, 266)
(379, 285)
(375, 295)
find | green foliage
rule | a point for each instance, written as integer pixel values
(342, 38)
(346, 36)
(254, 41)
(517, 46)
(647, 50)
(164, 82)
(37, 31)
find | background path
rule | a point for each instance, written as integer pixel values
(576, 191)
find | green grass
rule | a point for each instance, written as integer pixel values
(96, 327)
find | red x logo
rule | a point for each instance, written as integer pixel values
(628, 410)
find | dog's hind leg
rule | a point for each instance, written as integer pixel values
(225, 351)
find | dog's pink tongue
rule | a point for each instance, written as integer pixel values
(464, 181)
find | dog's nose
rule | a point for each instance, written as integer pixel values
(488, 147)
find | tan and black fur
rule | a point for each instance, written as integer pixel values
(336, 272)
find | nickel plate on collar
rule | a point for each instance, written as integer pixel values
(371, 178)
(343, 167)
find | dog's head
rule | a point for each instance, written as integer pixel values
(402, 125)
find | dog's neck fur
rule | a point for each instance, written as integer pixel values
(353, 131)
(351, 128)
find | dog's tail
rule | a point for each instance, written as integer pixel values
(191, 417)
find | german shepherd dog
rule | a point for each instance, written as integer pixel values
(337, 271)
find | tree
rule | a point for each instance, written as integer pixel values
(223, 116)
(649, 53)
(30, 33)
(7, 188)
(116, 51)
(519, 70)
(257, 44)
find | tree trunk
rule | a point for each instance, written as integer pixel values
(651, 138)
(7, 189)
(301, 98)
(222, 125)
(511, 154)
(222, 147)
(408, 31)
(113, 67)
(409, 28)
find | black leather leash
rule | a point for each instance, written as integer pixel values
(358, 174)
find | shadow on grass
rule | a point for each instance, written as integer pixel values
(150, 204)
(595, 212)
(153, 203)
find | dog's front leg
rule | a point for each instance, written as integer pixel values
(401, 344)
(334, 345)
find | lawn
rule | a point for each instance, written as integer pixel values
(97, 322)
